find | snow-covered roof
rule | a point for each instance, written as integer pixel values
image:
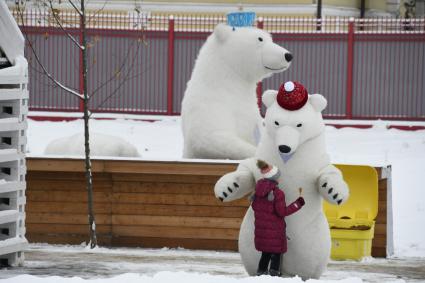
(11, 38)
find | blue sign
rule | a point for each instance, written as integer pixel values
(241, 19)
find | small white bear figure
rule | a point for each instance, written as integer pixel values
(294, 141)
(100, 145)
(219, 109)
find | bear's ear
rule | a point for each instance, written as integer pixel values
(269, 96)
(222, 32)
(318, 102)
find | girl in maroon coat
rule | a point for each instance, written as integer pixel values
(270, 210)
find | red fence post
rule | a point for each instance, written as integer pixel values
(170, 74)
(350, 63)
(260, 25)
(80, 68)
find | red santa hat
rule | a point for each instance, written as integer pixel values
(292, 95)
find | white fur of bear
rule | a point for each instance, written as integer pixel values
(306, 165)
(219, 109)
(100, 145)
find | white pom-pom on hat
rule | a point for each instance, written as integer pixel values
(289, 86)
(271, 172)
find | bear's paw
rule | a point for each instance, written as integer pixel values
(233, 186)
(333, 188)
(227, 187)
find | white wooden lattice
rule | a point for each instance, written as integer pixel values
(13, 132)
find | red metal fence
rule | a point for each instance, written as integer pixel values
(367, 68)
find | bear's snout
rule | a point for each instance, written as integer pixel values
(284, 149)
(289, 57)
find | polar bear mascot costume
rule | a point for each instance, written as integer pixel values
(219, 109)
(294, 141)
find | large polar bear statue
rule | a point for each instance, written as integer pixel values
(219, 108)
(294, 141)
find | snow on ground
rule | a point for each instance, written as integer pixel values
(165, 276)
(403, 150)
(71, 264)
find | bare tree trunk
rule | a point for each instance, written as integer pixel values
(89, 176)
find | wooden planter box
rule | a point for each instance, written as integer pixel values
(144, 204)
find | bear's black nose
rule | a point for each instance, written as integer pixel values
(289, 57)
(284, 149)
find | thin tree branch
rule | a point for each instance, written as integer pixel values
(56, 82)
(112, 94)
(97, 12)
(118, 71)
(138, 74)
(34, 70)
(55, 16)
(115, 91)
(75, 7)
(37, 78)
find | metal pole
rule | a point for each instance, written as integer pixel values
(260, 25)
(319, 15)
(350, 61)
(170, 74)
(319, 9)
(362, 8)
(81, 69)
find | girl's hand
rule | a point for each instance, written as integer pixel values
(300, 190)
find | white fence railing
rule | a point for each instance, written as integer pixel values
(277, 24)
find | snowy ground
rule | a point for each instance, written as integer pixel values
(162, 140)
(73, 264)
